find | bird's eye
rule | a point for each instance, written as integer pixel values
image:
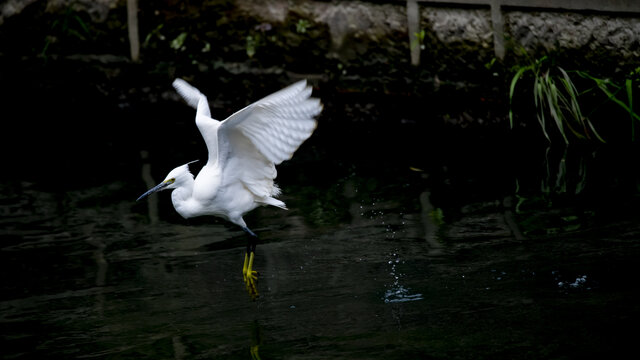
(170, 181)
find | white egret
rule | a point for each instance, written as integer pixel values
(243, 151)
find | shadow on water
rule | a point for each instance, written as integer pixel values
(411, 251)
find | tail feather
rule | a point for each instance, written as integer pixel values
(274, 202)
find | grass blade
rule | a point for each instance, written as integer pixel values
(554, 108)
(538, 96)
(595, 132)
(612, 97)
(573, 96)
(512, 88)
(629, 86)
(603, 86)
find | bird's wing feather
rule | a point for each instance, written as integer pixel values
(208, 127)
(276, 125)
(248, 144)
(192, 96)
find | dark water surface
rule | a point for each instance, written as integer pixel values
(411, 248)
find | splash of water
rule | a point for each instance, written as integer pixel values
(397, 292)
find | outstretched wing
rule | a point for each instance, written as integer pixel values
(255, 139)
(276, 125)
(208, 127)
(248, 144)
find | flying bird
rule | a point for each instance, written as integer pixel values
(243, 151)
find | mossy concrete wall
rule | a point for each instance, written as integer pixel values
(347, 46)
(347, 30)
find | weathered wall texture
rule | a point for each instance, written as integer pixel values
(349, 47)
(617, 36)
(356, 33)
(350, 23)
(467, 29)
(448, 25)
(97, 9)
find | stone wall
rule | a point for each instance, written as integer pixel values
(618, 36)
(97, 9)
(356, 26)
(364, 44)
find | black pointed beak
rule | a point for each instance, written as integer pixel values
(156, 188)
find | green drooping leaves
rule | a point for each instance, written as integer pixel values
(556, 99)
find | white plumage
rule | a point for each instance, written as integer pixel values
(243, 151)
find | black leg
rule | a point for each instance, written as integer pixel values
(252, 241)
(248, 231)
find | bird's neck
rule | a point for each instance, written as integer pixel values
(181, 196)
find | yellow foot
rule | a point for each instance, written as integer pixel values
(254, 352)
(249, 275)
(247, 271)
(251, 288)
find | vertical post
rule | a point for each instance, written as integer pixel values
(498, 28)
(413, 27)
(132, 24)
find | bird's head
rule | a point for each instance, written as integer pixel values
(176, 178)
